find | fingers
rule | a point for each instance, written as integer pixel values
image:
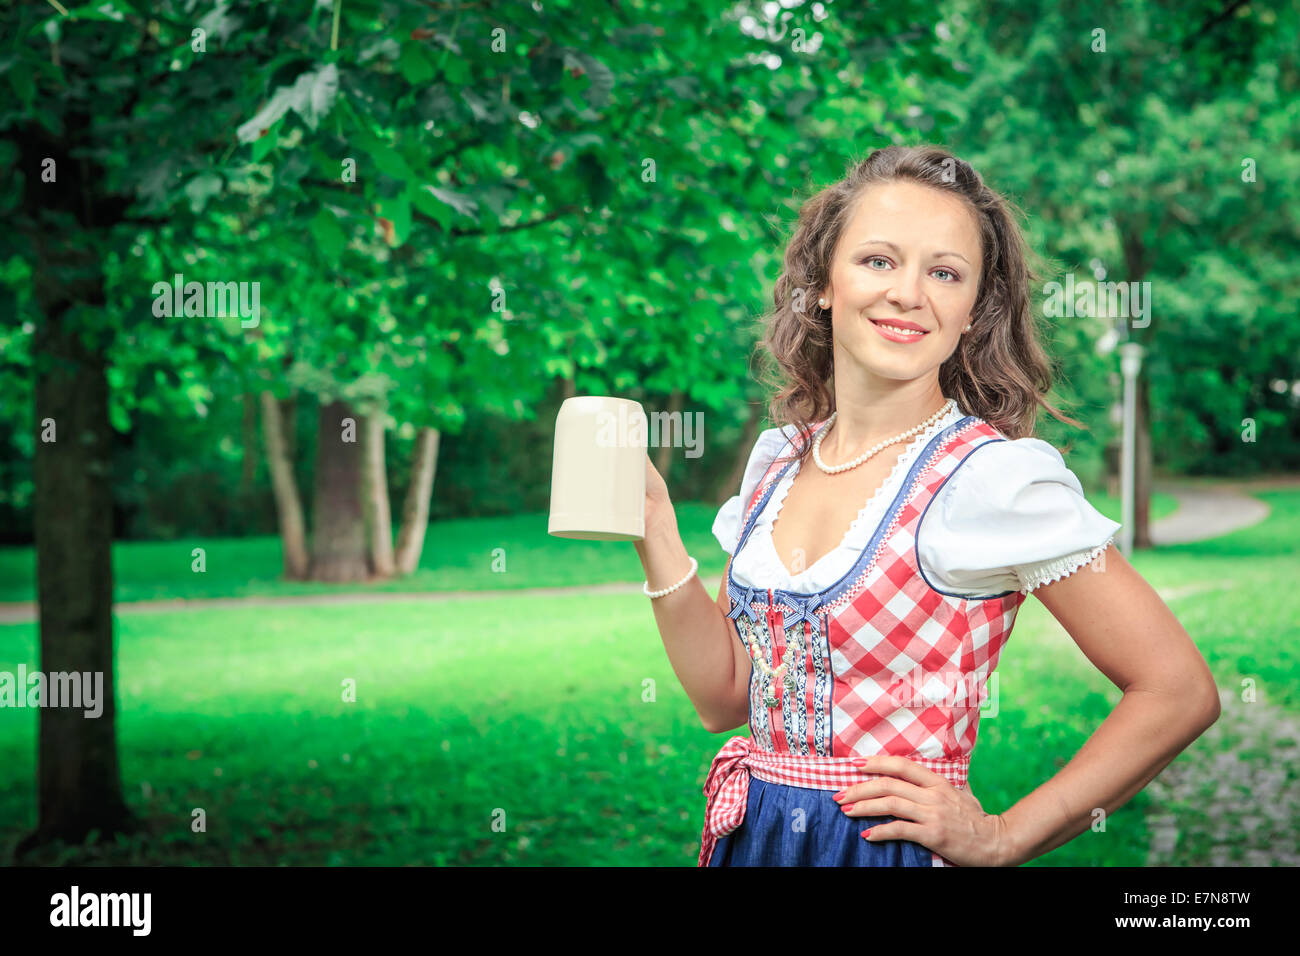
(888, 805)
(881, 787)
(900, 767)
(894, 830)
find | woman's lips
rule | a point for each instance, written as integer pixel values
(897, 333)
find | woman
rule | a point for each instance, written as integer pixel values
(859, 658)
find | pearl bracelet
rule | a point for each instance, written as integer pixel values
(645, 588)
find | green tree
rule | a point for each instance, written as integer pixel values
(1155, 143)
(444, 207)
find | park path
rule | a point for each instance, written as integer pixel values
(1206, 513)
(16, 612)
(1233, 797)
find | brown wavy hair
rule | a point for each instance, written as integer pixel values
(998, 372)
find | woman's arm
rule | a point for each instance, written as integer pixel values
(695, 629)
(1170, 699)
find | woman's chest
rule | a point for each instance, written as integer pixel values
(818, 509)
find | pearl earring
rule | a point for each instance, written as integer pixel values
(822, 302)
(967, 329)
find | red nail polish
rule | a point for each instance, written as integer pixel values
(847, 807)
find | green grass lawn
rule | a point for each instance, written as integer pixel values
(535, 713)
(1111, 506)
(458, 555)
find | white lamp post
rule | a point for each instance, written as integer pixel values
(1130, 363)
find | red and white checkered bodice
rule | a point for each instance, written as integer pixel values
(885, 664)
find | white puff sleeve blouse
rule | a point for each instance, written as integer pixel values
(727, 524)
(1012, 517)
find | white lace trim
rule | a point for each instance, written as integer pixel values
(869, 515)
(1060, 567)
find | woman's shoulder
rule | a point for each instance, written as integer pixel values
(1003, 462)
(782, 442)
(1011, 514)
(770, 443)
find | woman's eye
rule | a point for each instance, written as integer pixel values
(873, 259)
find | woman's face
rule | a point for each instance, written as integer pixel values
(909, 254)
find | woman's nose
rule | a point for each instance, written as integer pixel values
(905, 291)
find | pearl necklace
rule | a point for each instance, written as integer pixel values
(817, 443)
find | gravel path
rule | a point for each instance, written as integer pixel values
(1233, 797)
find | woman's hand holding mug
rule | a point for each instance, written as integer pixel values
(658, 506)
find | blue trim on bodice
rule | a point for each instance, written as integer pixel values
(803, 605)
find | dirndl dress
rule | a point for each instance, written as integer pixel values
(883, 664)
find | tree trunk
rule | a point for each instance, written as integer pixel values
(378, 514)
(288, 505)
(289, 416)
(338, 540)
(664, 456)
(731, 483)
(415, 509)
(78, 781)
(79, 785)
(248, 432)
(1143, 467)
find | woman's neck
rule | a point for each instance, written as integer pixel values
(861, 424)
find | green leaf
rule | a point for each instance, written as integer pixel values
(329, 236)
(685, 87)
(311, 96)
(219, 22)
(383, 47)
(601, 76)
(457, 201)
(118, 417)
(414, 63)
(321, 92)
(398, 210)
(202, 188)
(157, 182)
(386, 159)
(428, 204)
(267, 116)
(264, 144)
(389, 161)
(23, 86)
(96, 11)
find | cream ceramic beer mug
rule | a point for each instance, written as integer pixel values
(598, 473)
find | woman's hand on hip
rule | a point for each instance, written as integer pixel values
(931, 812)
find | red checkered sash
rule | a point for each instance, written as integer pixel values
(726, 790)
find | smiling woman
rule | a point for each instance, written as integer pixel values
(859, 657)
